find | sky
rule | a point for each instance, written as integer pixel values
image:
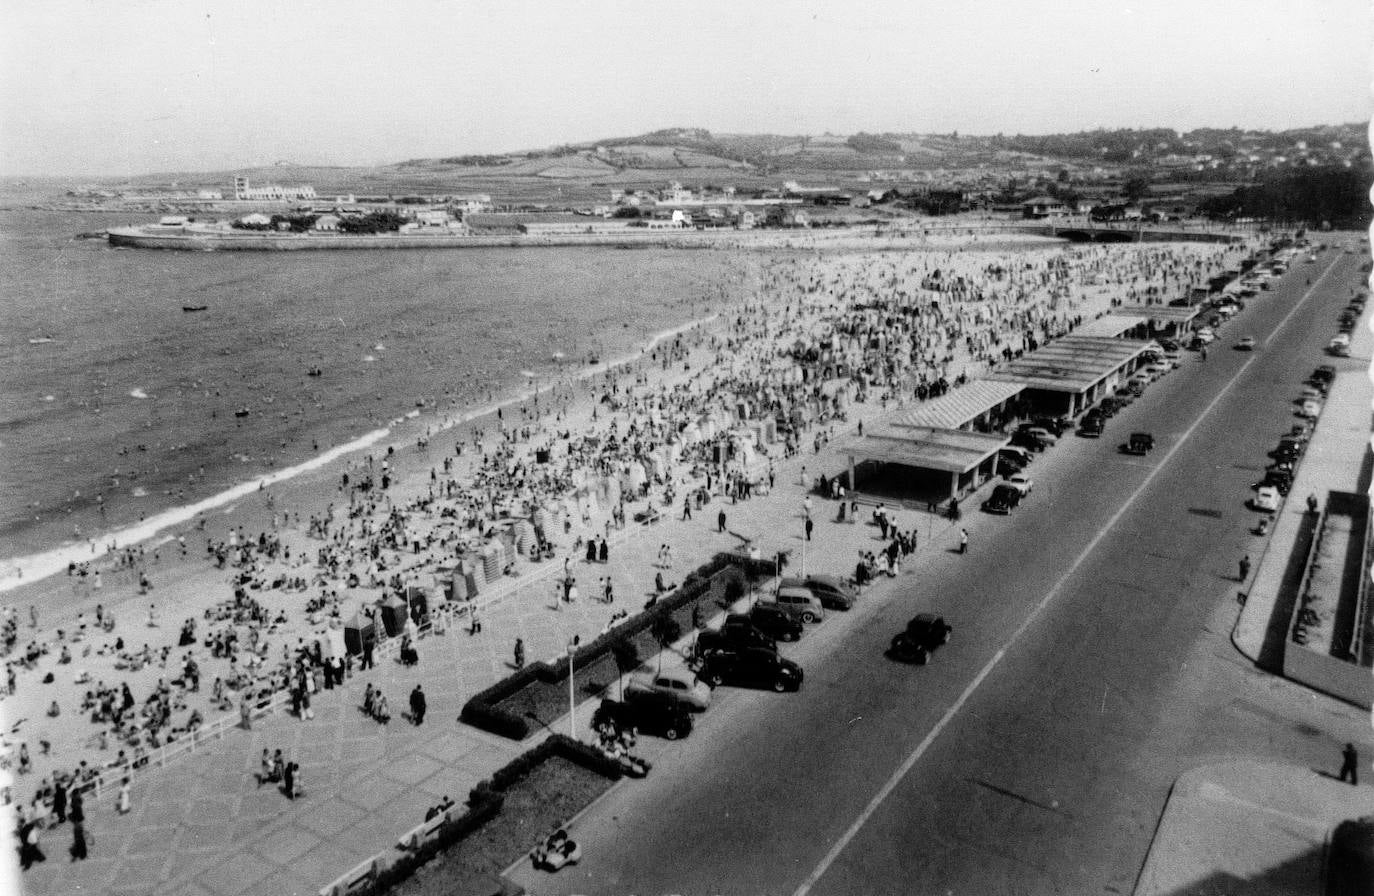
(140, 86)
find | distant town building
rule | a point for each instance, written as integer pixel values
(243, 190)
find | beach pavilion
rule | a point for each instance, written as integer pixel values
(1070, 374)
(926, 464)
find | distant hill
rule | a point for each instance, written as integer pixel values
(584, 172)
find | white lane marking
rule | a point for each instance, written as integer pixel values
(929, 739)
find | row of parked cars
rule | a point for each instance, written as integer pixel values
(744, 652)
(1283, 459)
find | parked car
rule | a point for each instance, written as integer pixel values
(1279, 479)
(1019, 481)
(751, 668)
(1266, 499)
(733, 636)
(923, 634)
(1024, 439)
(650, 714)
(1091, 427)
(1246, 344)
(799, 603)
(1138, 443)
(1056, 425)
(1205, 335)
(676, 681)
(1310, 409)
(834, 593)
(771, 621)
(1110, 406)
(1003, 500)
(1013, 457)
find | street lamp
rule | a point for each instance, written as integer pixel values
(572, 688)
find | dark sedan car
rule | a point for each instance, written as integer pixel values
(771, 621)
(733, 636)
(923, 634)
(1002, 500)
(750, 667)
(651, 714)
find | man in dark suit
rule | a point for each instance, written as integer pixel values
(417, 705)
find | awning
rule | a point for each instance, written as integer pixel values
(1110, 325)
(1071, 364)
(925, 447)
(959, 406)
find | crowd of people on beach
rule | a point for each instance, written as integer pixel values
(706, 412)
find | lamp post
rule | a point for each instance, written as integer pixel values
(572, 689)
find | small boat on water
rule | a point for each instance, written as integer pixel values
(40, 340)
(194, 307)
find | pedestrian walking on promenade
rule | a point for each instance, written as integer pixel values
(78, 849)
(1350, 764)
(687, 508)
(367, 655)
(1312, 503)
(720, 521)
(1244, 568)
(59, 802)
(519, 653)
(417, 705)
(474, 624)
(288, 781)
(809, 526)
(963, 541)
(122, 801)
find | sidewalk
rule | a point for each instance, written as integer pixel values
(1334, 461)
(1247, 827)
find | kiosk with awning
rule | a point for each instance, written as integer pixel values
(978, 404)
(1171, 321)
(921, 463)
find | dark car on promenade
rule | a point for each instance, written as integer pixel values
(750, 667)
(922, 635)
(771, 621)
(1092, 426)
(660, 715)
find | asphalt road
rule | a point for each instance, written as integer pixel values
(1089, 667)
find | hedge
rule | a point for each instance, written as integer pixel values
(484, 710)
(485, 802)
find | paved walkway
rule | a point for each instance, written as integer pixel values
(1333, 462)
(1246, 827)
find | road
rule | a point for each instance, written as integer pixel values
(1089, 667)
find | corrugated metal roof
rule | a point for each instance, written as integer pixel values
(1070, 364)
(926, 447)
(958, 406)
(1170, 313)
(1109, 325)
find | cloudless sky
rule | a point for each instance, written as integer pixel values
(91, 87)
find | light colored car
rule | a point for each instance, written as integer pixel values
(1310, 409)
(1246, 344)
(1205, 335)
(1266, 499)
(1021, 482)
(1173, 359)
(679, 681)
(1159, 368)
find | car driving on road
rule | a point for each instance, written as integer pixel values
(923, 634)
(1246, 344)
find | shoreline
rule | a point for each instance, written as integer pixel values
(28, 569)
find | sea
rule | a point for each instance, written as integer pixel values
(117, 405)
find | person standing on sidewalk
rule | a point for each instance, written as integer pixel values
(1244, 568)
(963, 541)
(720, 521)
(1350, 764)
(1312, 503)
(519, 653)
(809, 526)
(417, 705)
